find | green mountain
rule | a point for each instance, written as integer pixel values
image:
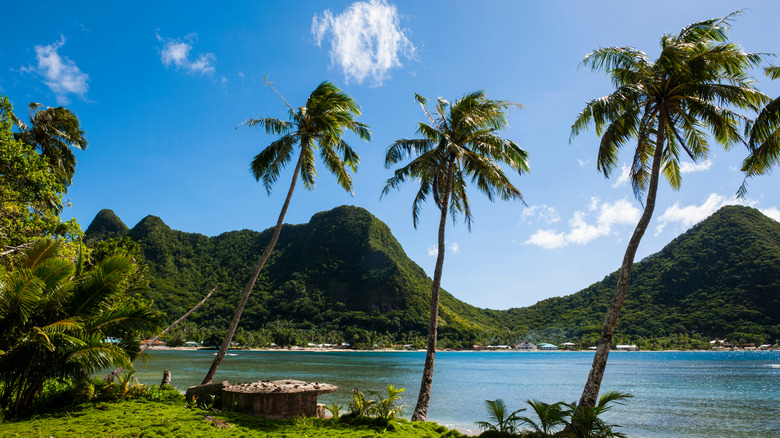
(344, 272)
(342, 269)
(720, 278)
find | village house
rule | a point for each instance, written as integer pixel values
(525, 345)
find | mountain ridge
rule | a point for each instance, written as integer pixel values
(345, 269)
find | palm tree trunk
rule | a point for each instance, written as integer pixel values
(423, 399)
(252, 280)
(591, 392)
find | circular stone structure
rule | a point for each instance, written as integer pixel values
(278, 399)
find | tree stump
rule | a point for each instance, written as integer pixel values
(166, 380)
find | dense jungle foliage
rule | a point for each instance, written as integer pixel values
(344, 278)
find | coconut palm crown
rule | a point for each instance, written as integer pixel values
(764, 144)
(460, 145)
(698, 85)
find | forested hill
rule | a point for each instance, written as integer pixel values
(345, 272)
(342, 269)
(720, 278)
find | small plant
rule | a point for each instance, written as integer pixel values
(503, 423)
(584, 421)
(552, 417)
(386, 407)
(360, 405)
(334, 409)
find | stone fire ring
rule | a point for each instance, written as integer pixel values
(278, 399)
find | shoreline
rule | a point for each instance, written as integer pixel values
(393, 350)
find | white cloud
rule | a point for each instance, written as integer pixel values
(772, 212)
(693, 214)
(542, 212)
(60, 73)
(176, 52)
(582, 163)
(625, 174)
(547, 239)
(583, 228)
(366, 39)
(434, 251)
(689, 167)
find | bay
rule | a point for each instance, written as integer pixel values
(692, 394)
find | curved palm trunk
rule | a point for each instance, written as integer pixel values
(591, 392)
(423, 399)
(252, 280)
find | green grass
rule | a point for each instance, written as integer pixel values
(139, 418)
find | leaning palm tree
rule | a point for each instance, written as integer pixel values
(319, 126)
(764, 143)
(459, 145)
(52, 131)
(697, 83)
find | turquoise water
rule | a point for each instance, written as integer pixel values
(676, 394)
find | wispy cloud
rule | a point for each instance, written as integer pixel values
(366, 40)
(692, 214)
(544, 213)
(59, 73)
(176, 52)
(625, 175)
(689, 167)
(585, 226)
(434, 249)
(582, 163)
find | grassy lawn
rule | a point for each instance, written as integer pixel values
(139, 418)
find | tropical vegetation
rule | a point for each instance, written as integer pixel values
(563, 420)
(30, 191)
(460, 145)
(698, 83)
(319, 125)
(62, 320)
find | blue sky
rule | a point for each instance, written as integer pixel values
(160, 89)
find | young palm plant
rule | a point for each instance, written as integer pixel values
(764, 143)
(55, 318)
(698, 83)
(552, 417)
(459, 145)
(502, 422)
(319, 125)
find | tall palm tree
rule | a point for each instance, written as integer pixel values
(319, 125)
(697, 83)
(460, 145)
(764, 143)
(52, 131)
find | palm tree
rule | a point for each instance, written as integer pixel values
(319, 126)
(764, 143)
(459, 145)
(55, 318)
(52, 131)
(696, 84)
(551, 417)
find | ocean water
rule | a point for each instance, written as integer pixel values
(675, 394)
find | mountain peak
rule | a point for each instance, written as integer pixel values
(105, 225)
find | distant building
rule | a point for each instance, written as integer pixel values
(525, 345)
(568, 345)
(626, 347)
(191, 344)
(548, 347)
(156, 343)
